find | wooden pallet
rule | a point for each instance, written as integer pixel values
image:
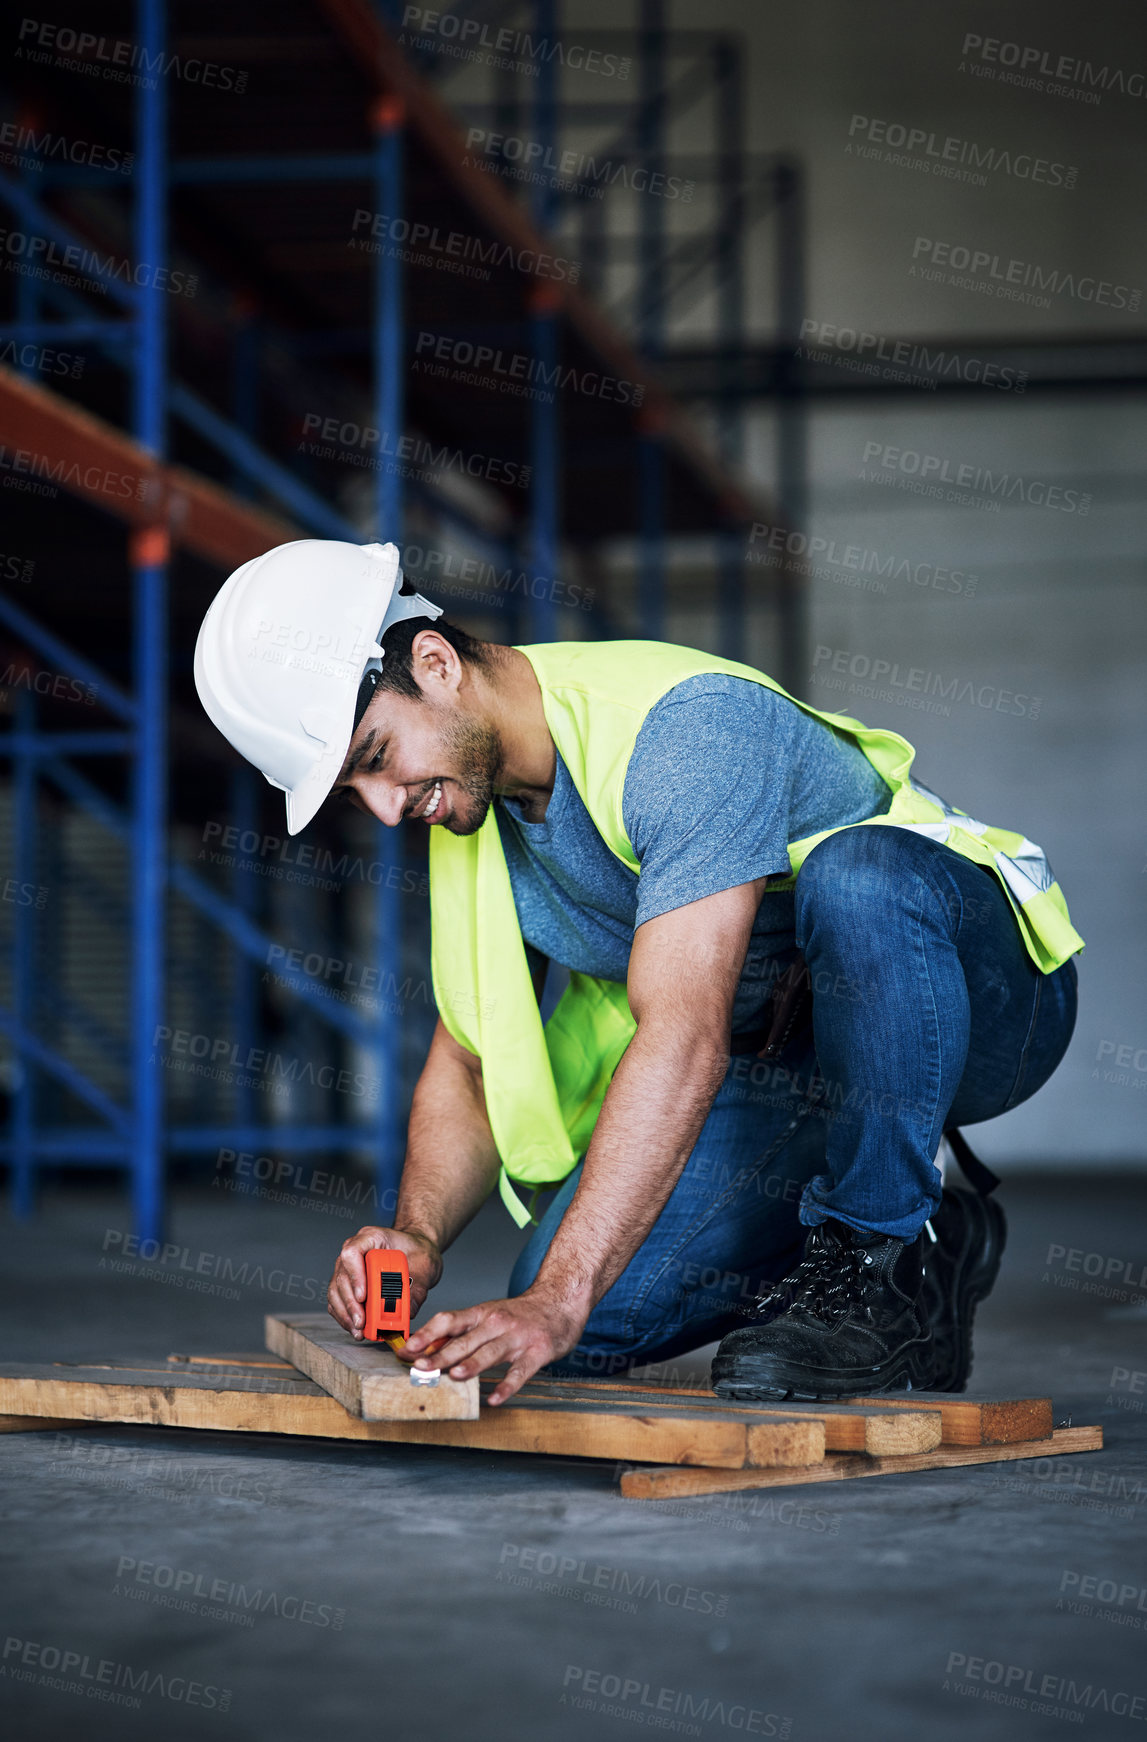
(689, 1442)
(231, 1397)
(314, 1345)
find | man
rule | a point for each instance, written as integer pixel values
(700, 853)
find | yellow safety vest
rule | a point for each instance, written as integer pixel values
(544, 1086)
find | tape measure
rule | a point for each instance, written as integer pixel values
(388, 1309)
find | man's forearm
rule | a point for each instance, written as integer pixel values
(451, 1162)
(649, 1122)
(683, 974)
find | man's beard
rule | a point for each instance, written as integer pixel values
(477, 753)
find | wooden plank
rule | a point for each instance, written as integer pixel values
(121, 1373)
(652, 1484)
(23, 1424)
(228, 1403)
(979, 1421)
(231, 1401)
(588, 1433)
(965, 1421)
(775, 1444)
(847, 1428)
(367, 1378)
(741, 1439)
(879, 1434)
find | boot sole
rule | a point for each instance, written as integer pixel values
(733, 1378)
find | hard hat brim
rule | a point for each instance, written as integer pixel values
(307, 797)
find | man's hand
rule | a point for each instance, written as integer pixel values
(347, 1291)
(527, 1332)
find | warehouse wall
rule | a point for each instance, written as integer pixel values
(1057, 614)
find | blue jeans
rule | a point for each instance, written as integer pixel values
(927, 1014)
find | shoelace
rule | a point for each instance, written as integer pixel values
(825, 1282)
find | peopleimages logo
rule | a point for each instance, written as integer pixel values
(1029, 67)
(103, 1678)
(359, 444)
(119, 60)
(41, 358)
(938, 469)
(914, 686)
(582, 1580)
(517, 372)
(220, 1059)
(635, 1698)
(784, 548)
(1025, 275)
(1091, 1588)
(442, 571)
(41, 475)
(27, 149)
(16, 568)
(57, 684)
(224, 1599)
(44, 258)
(852, 347)
(1130, 1271)
(1053, 1695)
(519, 50)
(574, 169)
(456, 247)
(950, 156)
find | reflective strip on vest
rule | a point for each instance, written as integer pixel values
(1026, 872)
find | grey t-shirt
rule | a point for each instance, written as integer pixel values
(724, 774)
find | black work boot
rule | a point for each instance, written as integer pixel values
(959, 1270)
(849, 1324)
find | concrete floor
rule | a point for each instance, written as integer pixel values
(432, 1594)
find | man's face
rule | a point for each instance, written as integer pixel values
(433, 759)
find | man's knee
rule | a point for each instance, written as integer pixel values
(850, 872)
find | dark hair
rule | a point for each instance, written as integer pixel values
(397, 673)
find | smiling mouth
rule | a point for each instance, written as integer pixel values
(427, 808)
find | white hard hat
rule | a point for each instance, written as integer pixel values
(286, 647)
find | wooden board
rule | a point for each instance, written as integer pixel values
(367, 1378)
(847, 1427)
(965, 1421)
(979, 1421)
(229, 1398)
(320, 1349)
(23, 1424)
(675, 1484)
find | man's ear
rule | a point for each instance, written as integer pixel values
(435, 664)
